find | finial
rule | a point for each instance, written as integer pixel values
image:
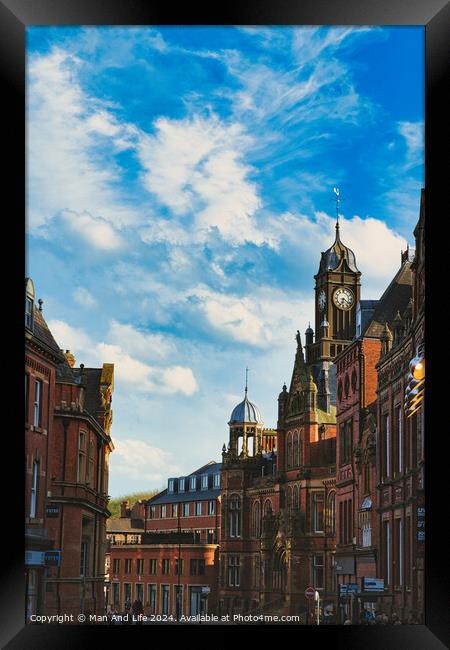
(41, 302)
(337, 200)
(246, 381)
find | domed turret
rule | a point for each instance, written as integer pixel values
(332, 258)
(245, 411)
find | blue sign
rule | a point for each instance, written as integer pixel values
(52, 558)
(349, 588)
(373, 584)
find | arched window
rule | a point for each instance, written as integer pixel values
(267, 507)
(289, 450)
(289, 498)
(257, 519)
(331, 513)
(296, 461)
(234, 513)
(295, 503)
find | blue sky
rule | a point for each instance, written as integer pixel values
(179, 193)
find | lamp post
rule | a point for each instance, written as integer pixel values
(317, 599)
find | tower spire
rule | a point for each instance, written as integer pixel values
(337, 200)
(246, 381)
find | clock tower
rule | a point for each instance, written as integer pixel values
(337, 294)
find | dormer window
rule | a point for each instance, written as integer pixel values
(181, 485)
(217, 480)
(171, 485)
(193, 483)
(205, 482)
(29, 304)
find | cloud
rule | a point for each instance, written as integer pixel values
(196, 166)
(95, 231)
(83, 297)
(139, 461)
(140, 344)
(69, 168)
(413, 134)
(134, 373)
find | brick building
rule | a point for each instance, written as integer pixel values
(164, 552)
(78, 493)
(67, 443)
(400, 448)
(356, 473)
(278, 524)
(42, 357)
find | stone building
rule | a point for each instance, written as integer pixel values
(278, 523)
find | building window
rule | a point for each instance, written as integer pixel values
(235, 516)
(318, 502)
(289, 450)
(198, 508)
(34, 489)
(29, 313)
(128, 566)
(387, 446)
(211, 537)
(83, 559)
(367, 533)
(90, 477)
(163, 511)
(331, 513)
(399, 440)
(398, 541)
(345, 442)
(186, 509)
(175, 510)
(152, 567)
(234, 571)
(318, 571)
(407, 551)
(165, 591)
(166, 567)
(116, 566)
(210, 507)
(193, 567)
(171, 485)
(201, 567)
(81, 467)
(152, 512)
(257, 520)
(27, 396)
(178, 567)
(366, 471)
(140, 592)
(127, 594)
(139, 567)
(387, 552)
(193, 483)
(217, 480)
(116, 594)
(152, 591)
(205, 482)
(181, 484)
(37, 412)
(296, 448)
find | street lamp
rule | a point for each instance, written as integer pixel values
(317, 599)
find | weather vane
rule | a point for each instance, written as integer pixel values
(337, 200)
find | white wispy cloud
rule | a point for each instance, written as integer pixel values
(65, 169)
(137, 460)
(141, 375)
(84, 297)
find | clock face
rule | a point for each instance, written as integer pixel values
(343, 298)
(322, 300)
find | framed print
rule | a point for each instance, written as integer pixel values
(227, 415)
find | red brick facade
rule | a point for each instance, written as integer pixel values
(67, 421)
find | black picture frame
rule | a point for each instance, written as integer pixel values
(15, 17)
